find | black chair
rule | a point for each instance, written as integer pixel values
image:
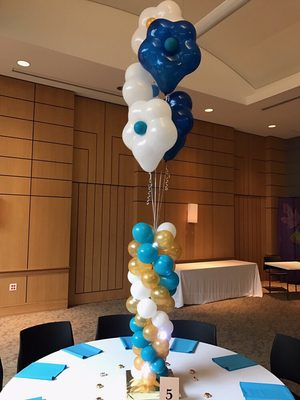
(41, 340)
(274, 273)
(110, 326)
(189, 329)
(1, 375)
(285, 359)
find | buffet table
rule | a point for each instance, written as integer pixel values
(205, 282)
(103, 375)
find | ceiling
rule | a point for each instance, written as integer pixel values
(249, 74)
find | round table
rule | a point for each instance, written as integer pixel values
(79, 381)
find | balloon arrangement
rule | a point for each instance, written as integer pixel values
(156, 129)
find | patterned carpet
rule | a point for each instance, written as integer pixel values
(245, 325)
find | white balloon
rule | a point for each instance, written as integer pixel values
(167, 226)
(167, 9)
(132, 278)
(146, 308)
(160, 319)
(136, 374)
(160, 134)
(139, 291)
(165, 331)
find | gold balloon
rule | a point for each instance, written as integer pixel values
(150, 379)
(150, 332)
(174, 251)
(140, 321)
(160, 295)
(136, 350)
(138, 362)
(149, 21)
(164, 239)
(167, 306)
(131, 305)
(150, 279)
(134, 266)
(145, 267)
(133, 248)
(161, 347)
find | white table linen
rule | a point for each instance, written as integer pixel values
(79, 381)
(286, 265)
(205, 282)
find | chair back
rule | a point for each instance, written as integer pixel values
(189, 329)
(40, 340)
(110, 326)
(285, 358)
(1, 375)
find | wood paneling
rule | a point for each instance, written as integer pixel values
(15, 298)
(14, 127)
(43, 288)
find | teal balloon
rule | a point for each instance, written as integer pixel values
(165, 372)
(133, 326)
(138, 340)
(148, 354)
(171, 45)
(170, 282)
(164, 265)
(140, 127)
(172, 292)
(147, 253)
(158, 366)
(143, 233)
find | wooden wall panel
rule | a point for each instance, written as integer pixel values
(15, 298)
(44, 288)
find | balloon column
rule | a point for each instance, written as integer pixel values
(156, 130)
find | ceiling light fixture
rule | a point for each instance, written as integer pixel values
(23, 63)
(272, 126)
(209, 110)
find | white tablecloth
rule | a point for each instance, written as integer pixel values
(204, 282)
(79, 380)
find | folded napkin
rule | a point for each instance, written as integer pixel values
(39, 370)
(265, 391)
(83, 350)
(36, 398)
(233, 362)
(184, 345)
(127, 342)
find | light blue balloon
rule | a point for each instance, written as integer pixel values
(164, 265)
(170, 282)
(147, 253)
(158, 366)
(143, 233)
(138, 340)
(148, 354)
(133, 326)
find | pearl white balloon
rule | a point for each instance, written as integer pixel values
(132, 278)
(146, 308)
(165, 331)
(160, 319)
(139, 291)
(167, 226)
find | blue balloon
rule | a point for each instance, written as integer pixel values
(155, 90)
(147, 253)
(143, 233)
(164, 265)
(133, 326)
(170, 282)
(158, 366)
(148, 354)
(165, 372)
(138, 340)
(169, 52)
(172, 292)
(181, 106)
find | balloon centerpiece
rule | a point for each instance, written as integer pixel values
(156, 129)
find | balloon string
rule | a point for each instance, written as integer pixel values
(155, 202)
(159, 196)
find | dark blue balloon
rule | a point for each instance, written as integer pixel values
(148, 354)
(147, 253)
(181, 106)
(143, 233)
(170, 282)
(138, 340)
(169, 52)
(158, 366)
(164, 265)
(133, 326)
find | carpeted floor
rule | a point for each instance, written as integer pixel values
(244, 325)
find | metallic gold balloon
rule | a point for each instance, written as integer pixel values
(150, 379)
(164, 239)
(133, 247)
(167, 306)
(134, 266)
(145, 267)
(149, 21)
(140, 321)
(136, 350)
(150, 279)
(138, 362)
(174, 251)
(131, 305)
(161, 347)
(150, 331)
(160, 295)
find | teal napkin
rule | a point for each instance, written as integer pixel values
(36, 398)
(83, 350)
(265, 391)
(233, 362)
(184, 345)
(127, 342)
(39, 370)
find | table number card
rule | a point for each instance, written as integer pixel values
(169, 388)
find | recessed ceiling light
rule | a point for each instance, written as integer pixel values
(23, 63)
(272, 126)
(209, 110)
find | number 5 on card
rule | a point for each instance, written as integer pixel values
(169, 388)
